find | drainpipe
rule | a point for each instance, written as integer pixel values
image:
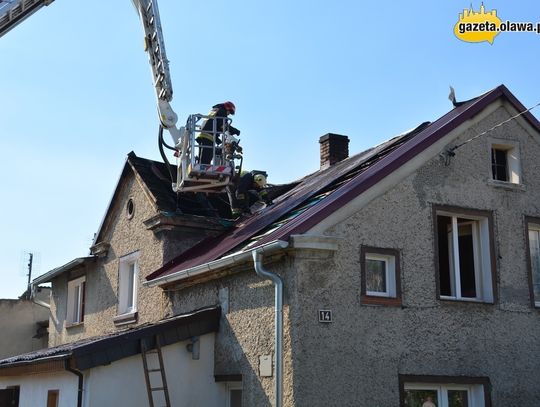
(79, 374)
(35, 300)
(278, 312)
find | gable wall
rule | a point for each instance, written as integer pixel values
(125, 236)
(360, 355)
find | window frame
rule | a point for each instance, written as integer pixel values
(513, 161)
(476, 387)
(53, 398)
(233, 386)
(124, 298)
(486, 229)
(534, 224)
(76, 288)
(392, 295)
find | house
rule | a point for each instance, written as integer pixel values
(24, 323)
(406, 272)
(409, 271)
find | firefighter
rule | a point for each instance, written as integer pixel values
(205, 139)
(251, 188)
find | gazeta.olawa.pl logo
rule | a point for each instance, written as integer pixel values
(482, 25)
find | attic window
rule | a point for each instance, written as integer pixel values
(130, 208)
(505, 162)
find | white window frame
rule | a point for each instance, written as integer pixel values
(475, 392)
(513, 161)
(128, 275)
(390, 274)
(233, 386)
(533, 228)
(482, 258)
(75, 301)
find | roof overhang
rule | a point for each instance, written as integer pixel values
(306, 242)
(73, 264)
(93, 352)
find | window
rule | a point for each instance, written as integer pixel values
(52, 398)
(464, 247)
(130, 208)
(380, 276)
(442, 391)
(234, 394)
(533, 237)
(505, 165)
(75, 301)
(127, 284)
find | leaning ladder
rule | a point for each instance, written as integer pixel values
(162, 387)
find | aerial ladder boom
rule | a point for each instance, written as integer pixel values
(13, 12)
(154, 45)
(191, 174)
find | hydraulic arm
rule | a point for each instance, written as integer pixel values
(13, 12)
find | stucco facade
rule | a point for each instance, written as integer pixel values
(360, 357)
(373, 345)
(432, 330)
(122, 233)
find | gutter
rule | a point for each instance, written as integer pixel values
(79, 374)
(218, 264)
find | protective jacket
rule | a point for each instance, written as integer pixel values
(207, 128)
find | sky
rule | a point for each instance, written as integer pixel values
(76, 94)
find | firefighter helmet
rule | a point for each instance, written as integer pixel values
(230, 107)
(260, 180)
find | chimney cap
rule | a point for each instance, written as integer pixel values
(333, 137)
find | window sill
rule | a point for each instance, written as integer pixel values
(383, 301)
(74, 324)
(450, 300)
(510, 186)
(124, 319)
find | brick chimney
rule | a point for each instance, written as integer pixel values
(334, 148)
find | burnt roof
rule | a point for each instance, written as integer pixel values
(318, 195)
(157, 178)
(102, 350)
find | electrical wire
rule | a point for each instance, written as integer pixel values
(450, 152)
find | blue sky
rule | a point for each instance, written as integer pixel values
(76, 94)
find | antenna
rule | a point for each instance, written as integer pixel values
(30, 261)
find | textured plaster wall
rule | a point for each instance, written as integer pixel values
(246, 329)
(356, 360)
(125, 236)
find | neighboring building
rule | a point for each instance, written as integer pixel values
(410, 271)
(24, 324)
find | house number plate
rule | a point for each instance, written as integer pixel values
(325, 315)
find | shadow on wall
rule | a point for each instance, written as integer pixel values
(246, 331)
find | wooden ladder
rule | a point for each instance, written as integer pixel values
(162, 387)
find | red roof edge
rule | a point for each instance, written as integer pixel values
(396, 159)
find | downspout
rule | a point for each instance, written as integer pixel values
(35, 300)
(79, 374)
(278, 319)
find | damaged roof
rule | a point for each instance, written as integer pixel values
(154, 177)
(102, 350)
(320, 194)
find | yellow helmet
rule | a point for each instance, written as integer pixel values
(260, 180)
